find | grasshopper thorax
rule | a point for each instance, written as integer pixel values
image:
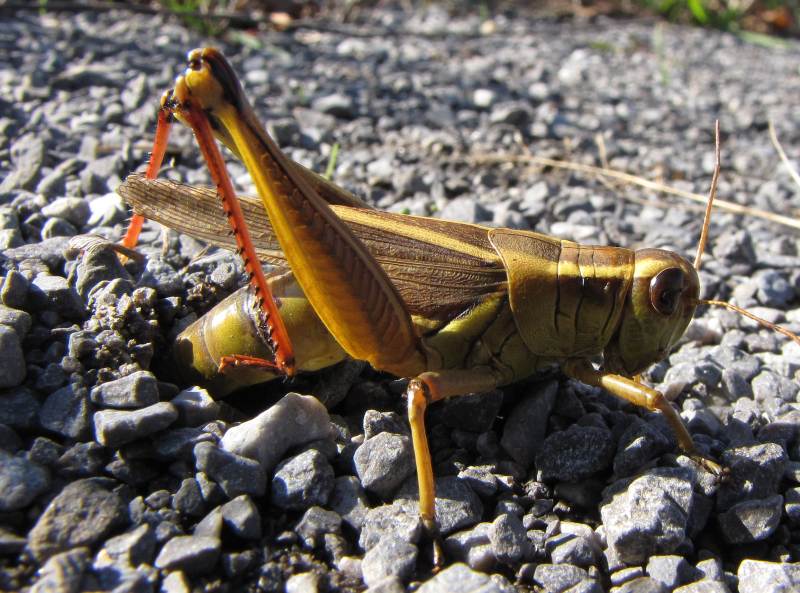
(659, 307)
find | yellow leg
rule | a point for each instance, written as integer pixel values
(427, 388)
(641, 395)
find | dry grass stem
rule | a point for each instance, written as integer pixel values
(493, 159)
(781, 153)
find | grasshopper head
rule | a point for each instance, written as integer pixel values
(659, 307)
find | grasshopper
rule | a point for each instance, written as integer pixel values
(457, 308)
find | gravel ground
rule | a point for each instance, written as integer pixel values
(115, 477)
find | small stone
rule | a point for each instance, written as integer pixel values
(571, 548)
(456, 505)
(563, 577)
(401, 518)
(755, 473)
(19, 321)
(389, 557)
(235, 474)
(295, 420)
(638, 445)
(315, 523)
(460, 577)
(12, 359)
(383, 462)
(132, 548)
(175, 582)
(526, 427)
(67, 411)
(338, 104)
(83, 513)
(82, 460)
(137, 390)
(21, 481)
(302, 481)
(188, 499)
(62, 572)
(306, 582)
(55, 294)
(703, 587)
(241, 517)
(117, 427)
(195, 406)
(508, 539)
(474, 413)
(473, 547)
(756, 576)
(481, 480)
(648, 515)
(751, 520)
(14, 293)
(575, 454)
(19, 408)
(73, 210)
(193, 554)
(671, 571)
(643, 585)
(387, 585)
(349, 501)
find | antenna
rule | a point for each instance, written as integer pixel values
(704, 239)
(701, 244)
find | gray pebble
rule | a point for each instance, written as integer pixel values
(643, 585)
(383, 462)
(82, 514)
(671, 571)
(67, 411)
(768, 386)
(751, 520)
(315, 523)
(15, 290)
(137, 390)
(456, 506)
(648, 516)
(525, 429)
(756, 576)
(563, 577)
(295, 420)
(474, 413)
(193, 554)
(349, 501)
(376, 422)
(389, 557)
(235, 474)
(82, 460)
(508, 539)
(62, 572)
(338, 104)
(21, 481)
(113, 428)
(19, 321)
(73, 210)
(12, 359)
(481, 480)
(132, 548)
(241, 517)
(387, 585)
(575, 454)
(54, 293)
(302, 481)
(175, 582)
(195, 406)
(640, 443)
(188, 499)
(571, 548)
(703, 587)
(473, 547)
(19, 408)
(755, 473)
(401, 518)
(459, 577)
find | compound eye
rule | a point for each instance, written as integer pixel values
(666, 288)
